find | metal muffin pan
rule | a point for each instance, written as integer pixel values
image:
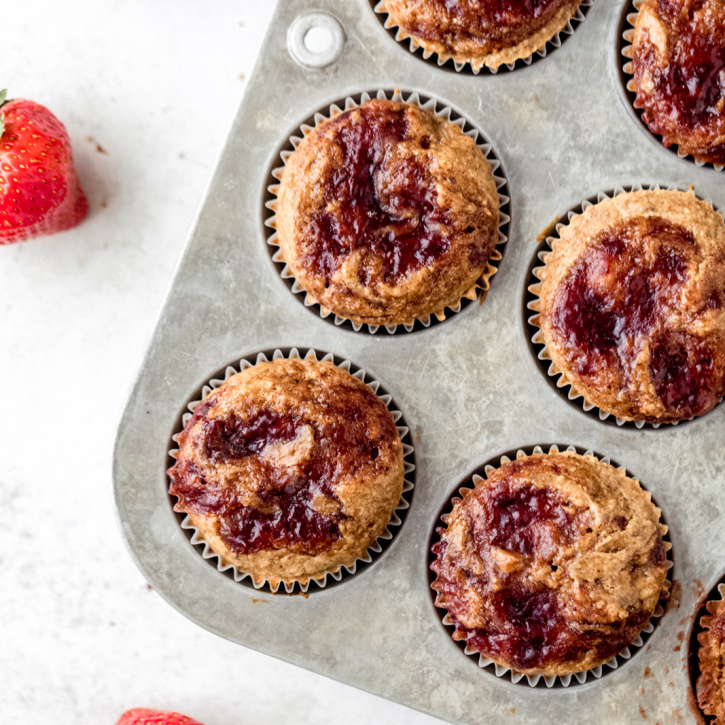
(470, 388)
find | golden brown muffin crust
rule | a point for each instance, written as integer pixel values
(711, 660)
(679, 67)
(631, 305)
(552, 565)
(290, 469)
(387, 213)
(481, 32)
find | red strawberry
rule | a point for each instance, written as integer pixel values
(142, 716)
(39, 188)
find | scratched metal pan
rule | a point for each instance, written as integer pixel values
(470, 388)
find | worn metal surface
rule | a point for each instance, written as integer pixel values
(469, 388)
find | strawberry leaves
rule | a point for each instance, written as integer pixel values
(3, 101)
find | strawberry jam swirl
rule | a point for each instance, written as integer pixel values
(620, 306)
(490, 23)
(269, 477)
(386, 208)
(679, 74)
(502, 567)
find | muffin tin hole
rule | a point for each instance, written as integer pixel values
(269, 202)
(625, 34)
(374, 552)
(315, 39)
(541, 682)
(532, 331)
(465, 68)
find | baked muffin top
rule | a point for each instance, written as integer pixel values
(631, 305)
(552, 565)
(679, 74)
(290, 469)
(481, 32)
(711, 659)
(387, 213)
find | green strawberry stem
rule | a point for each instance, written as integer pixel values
(3, 101)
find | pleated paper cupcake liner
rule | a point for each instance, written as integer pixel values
(542, 681)
(533, 303)
(374, 550)
(478, 290)
(476, 67)
(626, 53)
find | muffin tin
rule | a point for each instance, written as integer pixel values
(470, 388)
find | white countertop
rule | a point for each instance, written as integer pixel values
(147, 90)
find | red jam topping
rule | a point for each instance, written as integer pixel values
(683, 370)
(526, 520)
(233, 437)
(689, 91)
(526, 623)
(483, 20)
(283, 515)
(388, 208)
(618, 295)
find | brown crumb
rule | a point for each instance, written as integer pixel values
(99, 148)
(546, 232)
(260, 601)
(642, 712)
(647, 672)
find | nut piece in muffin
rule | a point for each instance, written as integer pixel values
(480, 32)
(289, 470)
(678, 64)
(711, 663)
(387, 214)
(552, 565)
(631, 306)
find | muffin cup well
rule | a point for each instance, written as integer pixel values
(396, 520)
(578, 678)
(476, 67)
(479, 288)
(631, 10)
(533, 303)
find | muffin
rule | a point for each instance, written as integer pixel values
(289, 470)
(631, 306)
(552, 565)
(387, 214)
(678, 62)
(711, 663)
(480, 32)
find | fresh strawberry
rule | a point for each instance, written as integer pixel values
(142, 716)
(39, 188)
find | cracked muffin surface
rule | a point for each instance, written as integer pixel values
(551, 565)
(631, 305)
(679, 74)
(290, 469)
(387, 213)
(481, 32)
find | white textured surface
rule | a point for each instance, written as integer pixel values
(156, 83)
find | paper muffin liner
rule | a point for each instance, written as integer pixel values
(577, 678)
(626, 51)
(533, 303)
(396, 520)
(700, 624)
(476, 67)
(480, 287)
